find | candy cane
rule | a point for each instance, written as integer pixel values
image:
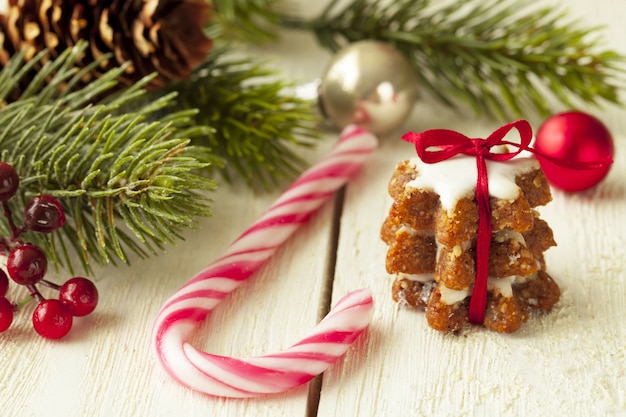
(190, 305)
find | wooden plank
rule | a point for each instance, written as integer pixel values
(106, 367)
(570, 362)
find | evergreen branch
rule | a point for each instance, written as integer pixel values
(250, 21)
(492, 55)
(254, 125)
(127, 179)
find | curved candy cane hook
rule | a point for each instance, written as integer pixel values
(190, 305)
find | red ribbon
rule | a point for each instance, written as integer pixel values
(437, 145)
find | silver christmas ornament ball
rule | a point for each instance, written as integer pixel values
(370, 84)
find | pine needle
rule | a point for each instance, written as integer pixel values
(501, 59)
(252, 123)
(127, 178)
(250, 21)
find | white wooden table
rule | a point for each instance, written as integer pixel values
(571, 362)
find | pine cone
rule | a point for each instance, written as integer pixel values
(163, 36)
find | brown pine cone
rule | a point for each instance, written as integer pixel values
(163, 36)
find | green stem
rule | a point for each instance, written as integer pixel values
(22, 303)
(15, 231)
(34, 293)
(292, 22)
(50, 284)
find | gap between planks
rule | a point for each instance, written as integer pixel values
(315, 386)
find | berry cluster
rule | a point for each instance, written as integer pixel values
(26, 265)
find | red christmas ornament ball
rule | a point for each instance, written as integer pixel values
(574, 136)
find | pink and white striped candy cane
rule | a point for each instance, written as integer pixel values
(190, 305)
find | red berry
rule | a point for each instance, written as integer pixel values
(79, 295)
(51, 319)
(44, 213)
(4, 283)
(9, 181)
(27, 264)
(6, 314)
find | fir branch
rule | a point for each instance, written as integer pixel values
(250, 21)
(493, 55)
(255, 126)
(126, 179)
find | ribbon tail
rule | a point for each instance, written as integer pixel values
(478, 301)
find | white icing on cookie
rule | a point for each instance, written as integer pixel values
(505, 235)
(501, 286)
(450, 297)
(427, 277)
(406, 229)
(456, 177)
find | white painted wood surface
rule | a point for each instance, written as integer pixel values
(571, 362)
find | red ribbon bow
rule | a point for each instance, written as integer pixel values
(437, 145)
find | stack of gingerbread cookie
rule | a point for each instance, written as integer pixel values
(431, 232)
